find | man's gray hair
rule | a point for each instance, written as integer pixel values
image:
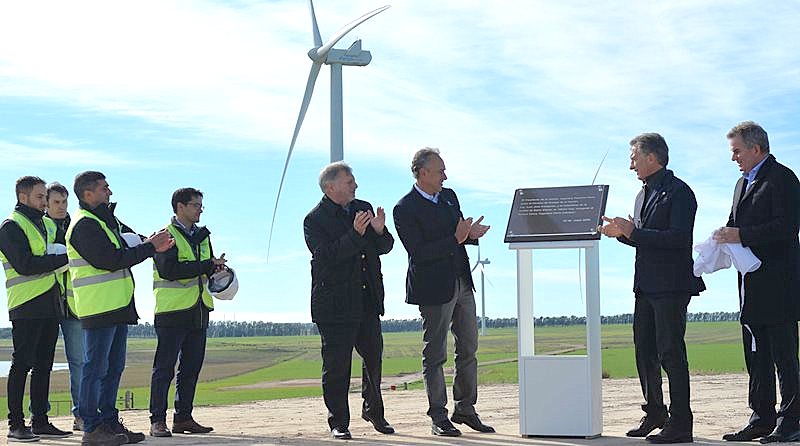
(421, 159)
(752, 134)
(331, 171)
(648, 143)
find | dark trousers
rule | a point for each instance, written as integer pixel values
(775, 348)
(173, 343)
(659, 325)
(103, 363)
(34, 343)
(338, 341)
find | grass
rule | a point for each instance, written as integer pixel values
(234, 362)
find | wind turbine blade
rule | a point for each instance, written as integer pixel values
(312, 79)
(314, 27)
(477, 264)
(601, 165)
(323, 50)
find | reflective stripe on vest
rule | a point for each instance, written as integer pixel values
(97, 291)
(178, 295)
(21, 289)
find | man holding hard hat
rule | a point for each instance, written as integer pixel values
(183, 303)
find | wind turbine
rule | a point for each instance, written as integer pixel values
(481, 263)
(326, 54)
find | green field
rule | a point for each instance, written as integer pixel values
(248, 369)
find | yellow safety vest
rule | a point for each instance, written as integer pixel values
(63, 278)
(177, 295)
(97, 291)
(19, 288)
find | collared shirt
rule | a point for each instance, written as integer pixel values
(189, 231)
(751, 176)
(434, 198)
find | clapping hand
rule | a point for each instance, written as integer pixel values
(161, 240)
(617, 227)
(219, 263)
(462, 230)
(361, 221)
(477, 230)
(378, 221)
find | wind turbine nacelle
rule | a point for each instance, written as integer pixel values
(350, 58)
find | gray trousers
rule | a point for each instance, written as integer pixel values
(458, 316)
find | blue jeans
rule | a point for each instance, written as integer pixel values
(73, 350)
(173, 343)
(103, 363)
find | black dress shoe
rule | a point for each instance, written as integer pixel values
(781, 436)
(472, 421)
(647, 424)
(445, 428)
(341, 433)
(672, 433)
(381, 425)
(748, 433)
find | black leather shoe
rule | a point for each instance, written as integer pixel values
(381, 425)
(748, 433)
(445, 428)
(647, 424)
(781, 436)
(473, 421)
(672, 433)
(341, 433)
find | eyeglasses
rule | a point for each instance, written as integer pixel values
(196, 206)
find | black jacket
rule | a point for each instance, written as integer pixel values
(17, 250)
(663, 242)
(435, 258)
(92, 243)
(62, 224)
(170, 268)
(336, 262)
(768, 218)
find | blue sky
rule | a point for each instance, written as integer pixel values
(166, 94)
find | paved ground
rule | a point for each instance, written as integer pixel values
(719, 404)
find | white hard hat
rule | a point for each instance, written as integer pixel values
(131, 239)
(223, 284)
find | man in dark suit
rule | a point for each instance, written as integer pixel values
(765, 217)
(345, 238)
(663, 283)
(433, 230)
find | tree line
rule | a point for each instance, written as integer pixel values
(238, 329)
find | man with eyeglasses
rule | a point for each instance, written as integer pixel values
(182, 310)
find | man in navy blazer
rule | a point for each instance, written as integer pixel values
(765, 217)
(663, 283)
(433, 230)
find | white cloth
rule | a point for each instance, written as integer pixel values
(713, 256)
(131, 239)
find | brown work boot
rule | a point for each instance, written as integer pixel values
(103, 436)
(190, 427)
(159, 429)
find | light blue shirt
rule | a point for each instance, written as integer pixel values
(751, 176)
(434, 198)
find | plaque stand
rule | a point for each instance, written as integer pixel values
(559, 395)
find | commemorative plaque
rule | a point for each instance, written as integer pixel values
(556, 213)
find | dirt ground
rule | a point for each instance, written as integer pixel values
(719, 404)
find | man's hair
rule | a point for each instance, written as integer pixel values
(86, 181)
(184, 195)
(648, 143)
(752, 134)
(55, 186)
(26, 183)
(421, 159)
(331, 171)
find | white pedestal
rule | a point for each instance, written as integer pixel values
(559, 395)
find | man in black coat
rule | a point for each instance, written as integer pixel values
(433, 230)
(663, 283)
(346, 239)
(765, 217)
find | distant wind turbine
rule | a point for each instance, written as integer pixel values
(326, 54)
(482, 263)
